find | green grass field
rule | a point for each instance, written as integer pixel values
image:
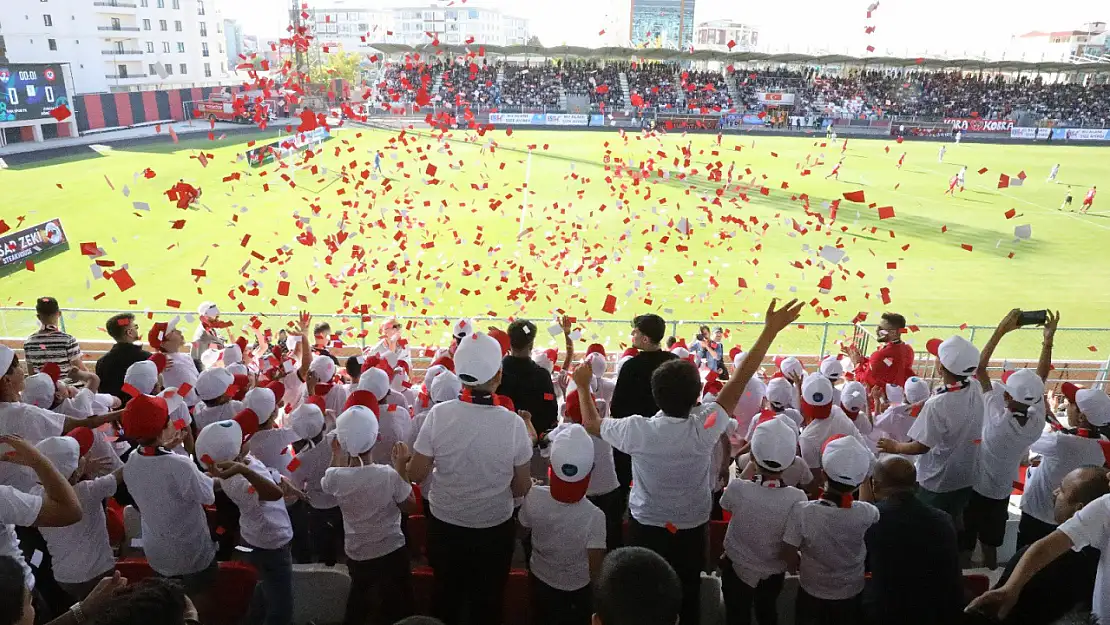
(585, 232)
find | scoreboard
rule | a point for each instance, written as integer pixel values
(28, 92)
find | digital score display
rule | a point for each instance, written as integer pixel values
(28, 92)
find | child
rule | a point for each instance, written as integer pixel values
(604, 490)
(214, 390)
(568, 533)
(325, 522)
(270, 444)
(445, 387)
(168, 340)
(372, 497)
(895, 422)
(826, 419)
(394, 426)
(853, 400)
(829, 536)
(752, 570)
(81, 553)
(321, 382)
(833, 369)
(264, 527)
(797, 474)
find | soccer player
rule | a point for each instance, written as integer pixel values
(962, 177)
(940, 154)
(959, 135)
(1052, 174)
(952, 182)
(901, 159)
(1067, 200)
(378, 161)
(836, 170)
(1089, 200)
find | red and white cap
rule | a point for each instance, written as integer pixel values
(572, 460)
(478, 359)
(680, 351)
(431, 374)
(7, 355)
(627, 355)
(262, 402)
(544, 360)
(64, 452)
(159, 331)
(357, 430)
(572, 409)
(790, 365)
(597, 363)
(445, 387)
(1025, 387)
(145, 417)
(462, 329)
(142, 375)
(845, 460)
(374, 380)
(774, 445)
(85, 439)
(817, 397)
(916, 390)
(502, 339)
(38, 390)
(596, 348)
(832, 368)
(1093, 403)
(213, 383)
(233, 354)
(956, 354)
(307, 421)
(780, 392)
(445, 361)
(218, 442)
(238, 369)
(323, 367)
(853, 398)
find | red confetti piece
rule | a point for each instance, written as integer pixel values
(61, 113)
(283, 288)
(172, 303)
(1010, 213)
(4, 227)
(982, 171)
(1092, 348)
(610, 305)
(886, 212)
(965, 246)
(123, 279)
(855, 196)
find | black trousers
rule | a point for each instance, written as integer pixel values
(381, 589)
(613, 504)
(551, 606)
(1032, 529)
(810, 610)
(984, 521)
(326, 527)
(684, 550)
(739, 597)
(471, 568)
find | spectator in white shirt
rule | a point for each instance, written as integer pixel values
(895, 422)
(1014, 420)
(325, 520)
(604, 491)
(481, 455)
(947, 432)
(568, 532)
(672, 454)
(445, 387)
(826, 419)
(214, 389)
(372, 498)
(264, 526)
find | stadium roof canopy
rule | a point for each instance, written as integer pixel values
(660, 54)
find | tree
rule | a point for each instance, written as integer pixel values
(534, 42)
(333, 65)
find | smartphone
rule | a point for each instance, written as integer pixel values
(1033, 318)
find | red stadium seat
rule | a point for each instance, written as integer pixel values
(234, 588)
(422, 588)
(976, 584)
(416, 533)
(518, 599)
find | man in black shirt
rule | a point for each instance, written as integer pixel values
(632, 394)
(111, 367)
(529, 385)
(912, 554)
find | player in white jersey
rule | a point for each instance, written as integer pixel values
(1052, 174)
(959, 135)
(961, 177)
(940, 155)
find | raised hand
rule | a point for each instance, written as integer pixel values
(22, 452)
(225, 470)
(1052, 320)
(1009, 323)
(777, 320)
(583, 375)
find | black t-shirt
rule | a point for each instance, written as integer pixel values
(632, 396)
(529, 386)
(111, 367)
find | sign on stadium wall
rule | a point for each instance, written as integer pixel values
(974, 124)
(1029, 133)
(566, 119)
(19, 246)
(518, 119)
(775, 98)
(1081, 134)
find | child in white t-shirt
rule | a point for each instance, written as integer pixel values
(445, 387)
(325, 521)
(603, 491)
(270, 444)
(568, 532)
(895, 422)
(753, 571)
(829, 535)
(216, 404)
(264, 527)
(372, 498)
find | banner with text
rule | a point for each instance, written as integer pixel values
(775, 98)
(974, 124)
(1081, 134)
(519, 119)
(1030, 133)
(19, 246)
(566, 119)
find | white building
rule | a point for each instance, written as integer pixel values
(233, 37)
(120, 45)
(716, 35)
(354, 24)
(1088, 43)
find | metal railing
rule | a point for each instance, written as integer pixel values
(134, 29)
(114, 4)
(121, 52)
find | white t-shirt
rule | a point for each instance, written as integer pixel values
(262, 524)
(393, 426)
(603, 477)
(82, 551)
(950, 425)
(417, 424)
(831, 543)
(205, 415)
(561, 535)
(814, 435)
(754, 536)
(32, 423)
(798, 473)
(1060, 454)
(17, 508)
(314, 462)
(368, 497)
(271, 448)
(1090, 527)
(171, 493)
(183, 371)
(672, 472)
(895, 422)
(749, 405)
(1005, 444)
(475, 450)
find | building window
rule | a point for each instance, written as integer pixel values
(183, 70)
(46, 19)
(122, 69)
(177, 25)
(181, 46)
(161, 4)
(200, 7)
(207, 70)
(144, 4)
(219, 27)
(203, 29)
(146, 24)
(204, 48)
(150, 47)
(163, 25)
(152, 70)
(177, 4)
(165, 46)
(119, 47)
(169, 69)
(115, 23)
(52, 44)
(220, 47)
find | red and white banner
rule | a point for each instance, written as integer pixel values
(776, 98)
(975, 124)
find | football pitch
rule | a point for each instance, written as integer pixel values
(450, 228)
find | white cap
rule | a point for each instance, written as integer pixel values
(540, 358)
(916, 390)
(597, 363)
(219, 442)
(374, 380)
(956, 354)
(781, 392)
(208, 309)
(357, 430)
(478, 359)
(63, 452)
(7, 355)
(817, 396)
(1025, 387)
(232, 354)
(237, 368)
(323, 367)
(445, 387)
(462, 329)
(791, 365)
(38, 390)
(213, 382)
(845, 460)
(853, 397)
(1093, 403)
(307, 421)
(261, 402)
(143, 375)
(681, 352)
(832, 368)
(774, 445)
(572, 460)
(430, 376)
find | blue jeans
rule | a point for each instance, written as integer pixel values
(272, 603)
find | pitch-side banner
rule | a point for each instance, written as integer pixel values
(518, 119)
(974, 124)
(775, 98)
(19, 246)
(1030, 133)
(566, 119)
(1081, 134)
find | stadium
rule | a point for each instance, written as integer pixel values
(454, 191)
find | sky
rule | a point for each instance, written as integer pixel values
(903, 27)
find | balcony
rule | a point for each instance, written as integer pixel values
(122, 52)
(130, 29)
(122, 5)
(122, 8)
(127, 77)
